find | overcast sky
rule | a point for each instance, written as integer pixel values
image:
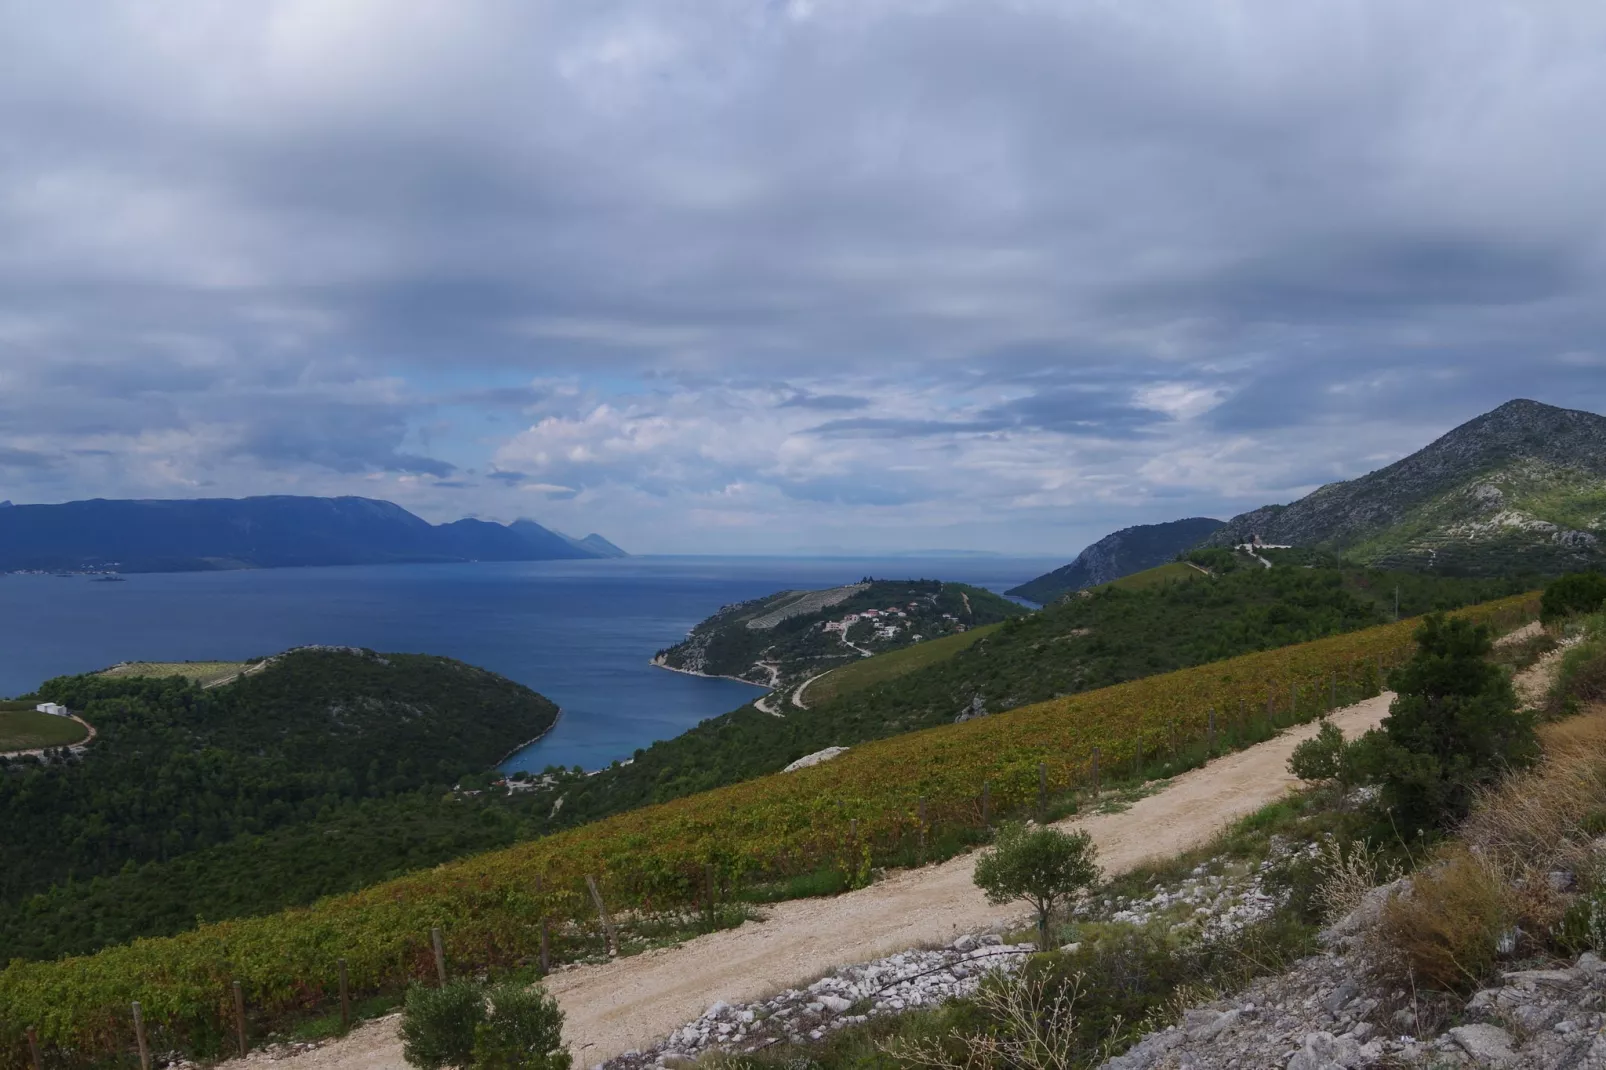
(728, 275)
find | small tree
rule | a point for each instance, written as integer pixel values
(1043, 866)
(523, 1032)
(438, 1024)
(468, 1026)
(1327, 756)
(1577, 592)
(1453, 727)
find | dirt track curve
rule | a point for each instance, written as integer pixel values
(627, 1003)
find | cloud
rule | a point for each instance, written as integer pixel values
(787, 270)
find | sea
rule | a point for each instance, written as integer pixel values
(583, 633)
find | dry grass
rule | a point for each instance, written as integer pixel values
(1444, 932)
(1349, 871)
(1546, 817)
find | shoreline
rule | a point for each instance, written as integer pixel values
(658, 663)
(530, 742)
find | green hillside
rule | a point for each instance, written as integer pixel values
(1521, 488)
(179, 775)
(787, 637)
(868, 672)
(1112, 635)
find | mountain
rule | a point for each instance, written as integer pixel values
(1119, 554)
(594, 544)
(1520, 488)
(265, 532)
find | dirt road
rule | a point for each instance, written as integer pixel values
(624, 1004)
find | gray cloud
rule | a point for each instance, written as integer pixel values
(1058, 258)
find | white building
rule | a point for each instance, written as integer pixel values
(53, 708)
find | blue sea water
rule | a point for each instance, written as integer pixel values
(579, 632)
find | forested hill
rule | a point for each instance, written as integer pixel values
(785, 637)
(177, 770)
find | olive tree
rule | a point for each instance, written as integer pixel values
(1041, 865)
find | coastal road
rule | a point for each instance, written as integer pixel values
(627, 1003)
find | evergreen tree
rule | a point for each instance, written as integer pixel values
(1454, 726)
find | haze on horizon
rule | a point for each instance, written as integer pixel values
(768, 276)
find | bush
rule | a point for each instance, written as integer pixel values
(1444, 933)
(1043, 866)
(1581, 676)
(1327, 756)
(1453, 729)
(1578, 592)
(438, 1024)
(524, 1031)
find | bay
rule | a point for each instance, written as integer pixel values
(580, 632)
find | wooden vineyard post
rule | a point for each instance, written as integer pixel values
(1243, 719)
(986, 804)
(440, 955)
(1171, 730)
(1042, 790)
(1212, 732)
(33, 1049)
(546, 930)
(1293, 703)
(1271, 712)
(1095, 772)
(239, 1017)
(345, 998)
(921, 812)
(713, 886)
(1332, 692)
(609, 935)
(139, 1035)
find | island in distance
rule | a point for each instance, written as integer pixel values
(277, 531)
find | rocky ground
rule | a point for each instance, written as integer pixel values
(1216, 899)
(1322, 1015)
(846, 997)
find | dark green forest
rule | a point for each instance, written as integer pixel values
(180, 777)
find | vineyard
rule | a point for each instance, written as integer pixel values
(882, 803)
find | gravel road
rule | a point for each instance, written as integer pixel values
(624, 1004)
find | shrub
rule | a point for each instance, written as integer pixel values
(523, 1032)
(1581, 676)
(1577, 592)
(1327, 756)
(1043, 866)
(1444, 933)
(438, 1024)
(1453, 728)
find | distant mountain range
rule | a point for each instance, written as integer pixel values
(1119, 554)
(265, 532)
(1520, 488)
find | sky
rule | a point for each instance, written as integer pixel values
(771, 277)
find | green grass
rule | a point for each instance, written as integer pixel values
(868, 672)
(1159, 576)
(202, 672)
(29, 729)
